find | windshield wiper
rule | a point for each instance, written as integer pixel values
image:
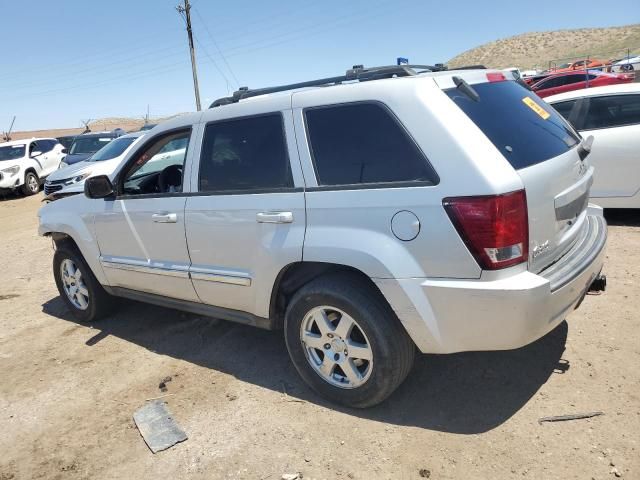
(464, 87)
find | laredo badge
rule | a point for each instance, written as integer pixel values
(529, 102)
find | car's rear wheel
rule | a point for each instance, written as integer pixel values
(346, 342)
(79, 289)
(31, 184)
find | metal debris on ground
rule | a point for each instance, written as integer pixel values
(157, 426)
(575, 416)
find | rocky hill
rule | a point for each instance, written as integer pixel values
(537, 49)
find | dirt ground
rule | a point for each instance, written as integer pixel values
(68, 391)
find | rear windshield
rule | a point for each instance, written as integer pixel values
(524, 128)
(112, 149)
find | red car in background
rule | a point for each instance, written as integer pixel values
(566, 82)
(580, 65)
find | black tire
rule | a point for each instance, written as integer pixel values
(100, 303)
(28, 189)
(393, 351)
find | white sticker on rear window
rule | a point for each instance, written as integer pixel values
(530, 102)
(17, 146)
(104, 139)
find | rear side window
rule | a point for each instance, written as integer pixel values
(245, 154)
(363, 143)
(520, 125)
(613, 111)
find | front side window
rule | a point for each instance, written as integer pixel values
(155, 171)
(569, 79)
(245, 154)
(613, 111)
(363, 143)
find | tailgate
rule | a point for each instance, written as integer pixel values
(542, 148)
(557, 199)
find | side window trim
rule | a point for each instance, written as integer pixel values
(118, 181)
(368, 185)
(197, 161)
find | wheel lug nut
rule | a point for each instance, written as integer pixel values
(336, 357)
(327, 346)
(346, 353)
(330, 335)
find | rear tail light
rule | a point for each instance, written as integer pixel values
(495, 228)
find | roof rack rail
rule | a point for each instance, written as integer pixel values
(356, 73)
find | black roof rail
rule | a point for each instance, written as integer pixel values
(356, 73)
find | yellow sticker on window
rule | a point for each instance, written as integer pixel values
(530, 102)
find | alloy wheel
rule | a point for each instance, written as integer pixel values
(336, 347)
(74, 285)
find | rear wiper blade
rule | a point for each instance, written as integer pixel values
(464, 87)
(585, 147)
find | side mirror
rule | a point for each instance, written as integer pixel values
(98, 187)
(64, 150)
(37, 153)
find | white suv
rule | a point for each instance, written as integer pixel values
(24, 164)
(370, 214)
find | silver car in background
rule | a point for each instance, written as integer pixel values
(369, 215)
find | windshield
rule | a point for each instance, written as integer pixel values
(88, 144)
(524, 128)
(564, 65)
(113, 149)
(12, 152)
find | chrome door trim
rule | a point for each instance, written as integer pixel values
(232, 278)
(120, 264)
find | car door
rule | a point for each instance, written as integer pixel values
(141, 232)
(614, 122)
(247, 221)
(50, 157)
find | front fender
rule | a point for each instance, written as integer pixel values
(61, 217)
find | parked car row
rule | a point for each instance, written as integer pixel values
(577, 80)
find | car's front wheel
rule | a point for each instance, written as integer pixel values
(346, 342)
(31, 184)
(79, 289)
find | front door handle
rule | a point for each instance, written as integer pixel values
(165, 217)
(274, 217)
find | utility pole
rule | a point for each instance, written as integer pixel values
(186, 10)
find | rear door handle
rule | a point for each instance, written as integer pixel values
(165, 217)
(274, 217)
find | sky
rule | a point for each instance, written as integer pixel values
(68, 60)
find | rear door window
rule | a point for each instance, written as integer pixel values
(613, 111)
(524, 128)
(245, 154)
(363, 143)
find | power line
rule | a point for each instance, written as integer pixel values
(224, 59)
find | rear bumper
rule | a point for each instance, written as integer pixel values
(446, 316)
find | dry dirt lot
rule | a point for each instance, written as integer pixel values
(68, 391)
